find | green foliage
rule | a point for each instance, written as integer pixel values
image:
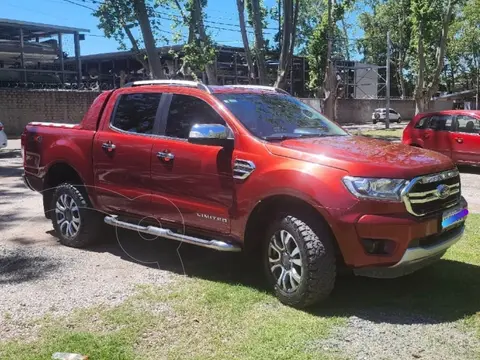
(116, 16)
(393, 16)
(318, 42)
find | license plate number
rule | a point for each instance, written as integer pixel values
(452, 216)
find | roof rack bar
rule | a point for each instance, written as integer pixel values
(170, 82)
(262, 87)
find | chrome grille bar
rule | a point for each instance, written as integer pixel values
(415, 199)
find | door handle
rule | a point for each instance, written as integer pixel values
(459, 140)
(426, 136)
(165, 155)
(109, 146)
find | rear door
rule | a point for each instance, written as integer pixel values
(436, 136)
(192, 183)
(121, 154)
(466, 140)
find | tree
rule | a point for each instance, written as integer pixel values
(430, 24)
(199, 52)
(256, 17)
(463, 49)
(118, 17)
(243, 31)
(320, 51)
(290, 19)
(373, 46)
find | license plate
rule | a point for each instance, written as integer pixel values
(452, 216)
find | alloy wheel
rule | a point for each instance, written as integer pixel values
(68, 216)
(285, 261)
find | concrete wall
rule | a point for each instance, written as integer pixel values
(359, 111)
(19, 107)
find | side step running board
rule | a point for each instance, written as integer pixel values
(168, 234)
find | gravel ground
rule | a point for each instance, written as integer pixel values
(401, 337)
(39, 276)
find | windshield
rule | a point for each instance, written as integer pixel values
(273, 116)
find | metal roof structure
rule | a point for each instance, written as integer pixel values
(9, 29)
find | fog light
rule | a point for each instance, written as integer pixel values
(378, 246)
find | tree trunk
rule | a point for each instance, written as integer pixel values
(401, 79)
(243, 31)
(155, 66)
(198, 20)
(259, 43)
(423, 94)
(330, 79)
(288, 40)
(330, 91)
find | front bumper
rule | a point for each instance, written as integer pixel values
(409, 242)
(416, 258)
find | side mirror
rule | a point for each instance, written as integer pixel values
(210, 134)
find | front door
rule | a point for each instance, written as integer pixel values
(436, 136)
(121, 155)
(192, 184)
(466, 140)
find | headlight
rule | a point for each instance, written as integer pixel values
(374, 188)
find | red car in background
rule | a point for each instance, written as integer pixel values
(455, 133)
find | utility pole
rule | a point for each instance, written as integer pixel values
(387, 81)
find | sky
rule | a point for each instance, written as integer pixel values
(222, 21)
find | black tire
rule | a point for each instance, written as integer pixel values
(90, 220)
(374, 121)
(399, 120)
(318, 268)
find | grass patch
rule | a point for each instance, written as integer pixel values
(193, 318)
(383, 134)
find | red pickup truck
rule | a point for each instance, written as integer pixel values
(246, 168)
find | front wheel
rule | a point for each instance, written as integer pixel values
(299, 263)
(399, 120)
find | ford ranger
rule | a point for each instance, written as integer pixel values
(246, 168)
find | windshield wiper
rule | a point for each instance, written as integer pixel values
(281, 137)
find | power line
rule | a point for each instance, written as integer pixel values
(176, 16)
(84, 6)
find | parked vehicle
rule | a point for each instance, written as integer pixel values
(246, 168)
(381, 115)
(454, 133)
(3, 137)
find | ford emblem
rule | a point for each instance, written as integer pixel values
(443, 191)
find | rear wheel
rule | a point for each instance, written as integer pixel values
(75, 222)
(299, 263)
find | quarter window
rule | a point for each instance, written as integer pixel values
(186, 111)
(440, 122)
(468, 124)
(422, 123)
(136, 113)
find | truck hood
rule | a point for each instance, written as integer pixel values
(362, 156)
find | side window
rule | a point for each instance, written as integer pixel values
(441, 122)
(393, 112)
(186, 111)
(136, 112)
(422, 123)
(468, 124)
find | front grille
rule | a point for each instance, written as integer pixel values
(430, 193)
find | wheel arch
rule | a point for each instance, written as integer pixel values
(270, 207)
(58, 173)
